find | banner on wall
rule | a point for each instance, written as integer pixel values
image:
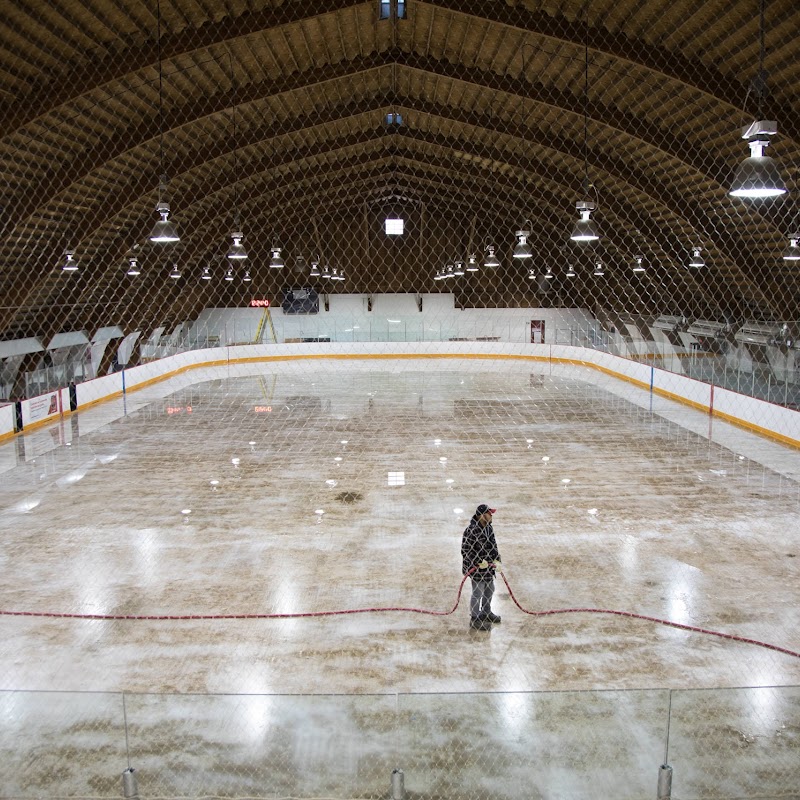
(41, 407)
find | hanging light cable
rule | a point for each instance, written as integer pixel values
(585, 229)
(758, 175)
(164, 231)
(236, 251)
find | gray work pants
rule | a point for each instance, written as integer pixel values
(480, 602)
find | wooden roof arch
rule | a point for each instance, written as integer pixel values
(492, 99)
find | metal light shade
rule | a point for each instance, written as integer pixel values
(246, 278)
(522, 248)
(69, 265)
(792, 252)
(758, 175)
(491, 261)
(531, 274)
(341, 274)
(237, 251)
(276, 262)
(549, 273)
(164, 231)
(229, 274)
(696, 260)
(585, 229)
(175, 273)
(598, 268)
(326, 272)
(458, 268)
(639, 267)
(448, 271)
(570, 271)
(472, 263)
(438, 276)
(206, 276)
(133, 266)
(314, 268)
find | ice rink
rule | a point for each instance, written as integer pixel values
(322, 486)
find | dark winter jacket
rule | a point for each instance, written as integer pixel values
(478, 544)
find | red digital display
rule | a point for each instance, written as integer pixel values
(259, 303)
(262, 409)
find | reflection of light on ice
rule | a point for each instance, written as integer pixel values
(26, 505)
(629, 557)
(71, 477)
(515, 711)
(257, 710)
(285, 601)
(682, 598)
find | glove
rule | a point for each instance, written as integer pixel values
(483, 565)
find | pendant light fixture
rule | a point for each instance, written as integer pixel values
(472, 263)
(792, 252)
(598, 268)
(236, 251)
(69, 265)
(276, 260)
(314, 268)
(133, 265)
(570, 271)
(458, 267)
(229, 274)
(758, 176)
(531, 274)
(164, 231)
(206, 276)
(697, 261)
(638, 265)
(175, 272)
(522, 247)
(491, 261)
(246, 278)
(585, 229)
(438, 276)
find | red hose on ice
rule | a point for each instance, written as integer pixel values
(546, 613)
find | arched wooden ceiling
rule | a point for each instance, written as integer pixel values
(277, 110)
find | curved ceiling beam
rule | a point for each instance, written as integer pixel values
(138, 56)
(692, 73)
(621, 209)
(690, 211)
(698, 159)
